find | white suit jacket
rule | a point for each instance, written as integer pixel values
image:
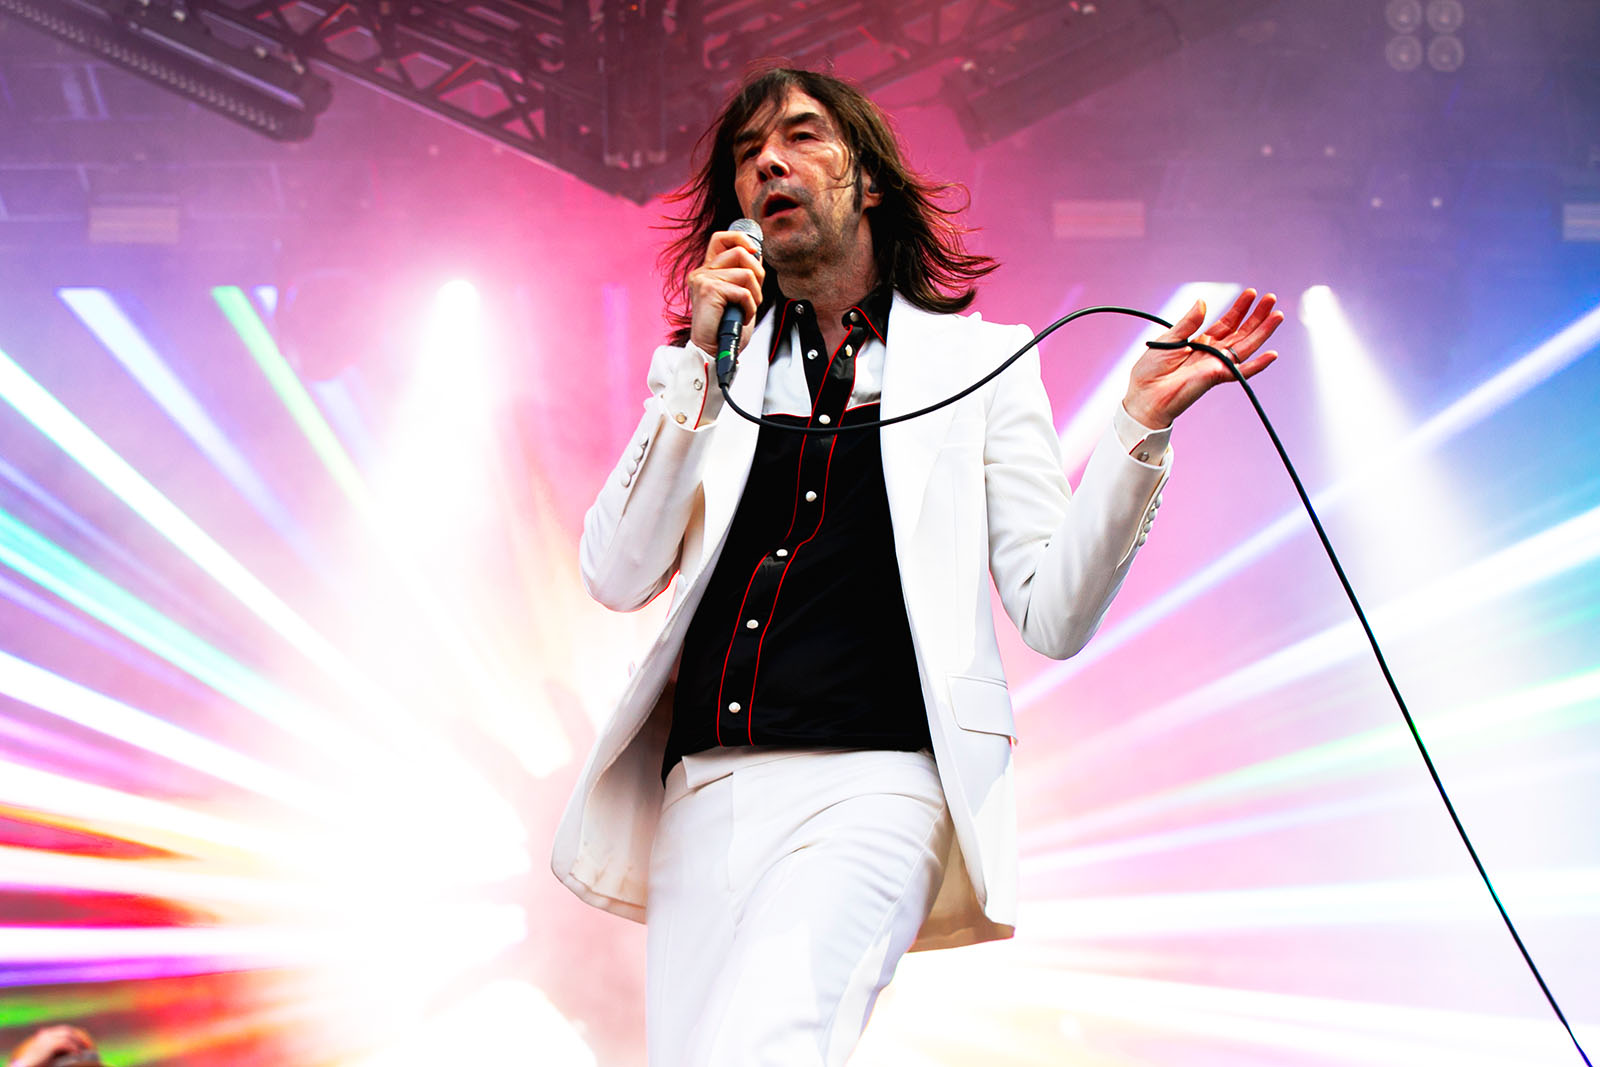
(975, 489)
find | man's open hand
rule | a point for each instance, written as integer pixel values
(1164, 382)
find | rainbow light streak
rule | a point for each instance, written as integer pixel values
(1560, 705)
(52, 419)
(1111, 1020)
(54, 798)
(31, 555)
(71, 622)
(244, 947)
(170, 879)
(1369, 802)
(1548, 554)
(1338, 1031)
(57, 745)
(474, 934)
(302, 408)
(21, 1009)
(1545, 555)
(1568, 346)
(100, 313)
(1088, 421)
(73, 521)
(1548, 894)
(45, 974)
(66, 699)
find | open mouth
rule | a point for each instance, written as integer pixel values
(776, 204)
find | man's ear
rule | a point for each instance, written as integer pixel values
(870, 196)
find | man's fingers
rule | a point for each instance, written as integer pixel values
(1184, 328)
(1230, 319)
(1263, 311)
(1254, 366)
(1257, 336)
(739, 287)
(724, 240)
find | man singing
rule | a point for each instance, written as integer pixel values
(825, 702)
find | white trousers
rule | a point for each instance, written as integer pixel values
(785, 885)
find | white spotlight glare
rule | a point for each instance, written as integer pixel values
(1360, 411)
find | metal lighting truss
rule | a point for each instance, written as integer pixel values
(616, 92)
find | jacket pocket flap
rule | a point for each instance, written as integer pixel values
(982, 704)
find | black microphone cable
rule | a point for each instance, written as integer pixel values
(1322, 535)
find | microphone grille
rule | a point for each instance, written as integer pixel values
(749, 226)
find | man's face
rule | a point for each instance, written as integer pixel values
(793, 175)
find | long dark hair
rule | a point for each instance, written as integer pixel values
(917, 241)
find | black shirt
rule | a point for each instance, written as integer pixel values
(801, 638)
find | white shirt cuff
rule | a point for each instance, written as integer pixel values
(690, 397)
(1148, 446)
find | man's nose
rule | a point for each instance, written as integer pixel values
(770, 163)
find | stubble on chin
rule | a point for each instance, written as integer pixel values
(803, 251)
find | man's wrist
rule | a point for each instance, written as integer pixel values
(1143, 442)
(1144, 414)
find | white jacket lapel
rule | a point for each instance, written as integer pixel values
(921, 367)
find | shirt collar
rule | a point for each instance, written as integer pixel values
(874, 308)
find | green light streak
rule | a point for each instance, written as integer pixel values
(30, 554)
(25, 1010)
(302, 408)
(1560, 704)
(34, 403)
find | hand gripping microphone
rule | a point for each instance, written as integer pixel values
(733, 315)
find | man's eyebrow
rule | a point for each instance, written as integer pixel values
(788, 122)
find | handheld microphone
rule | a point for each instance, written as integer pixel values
(733, 315)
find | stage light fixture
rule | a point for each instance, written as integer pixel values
(1445, 16)
(1404, 53)
(176, 49)
(1404, 16)
(1446, 53)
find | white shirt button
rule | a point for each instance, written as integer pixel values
(824, 419)
(680, 418)
(854, 317)
(799, 309)
(811, 354)
(848, 351)
(734, 707)
(811, 495)
(782, 553)
(751, 624)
